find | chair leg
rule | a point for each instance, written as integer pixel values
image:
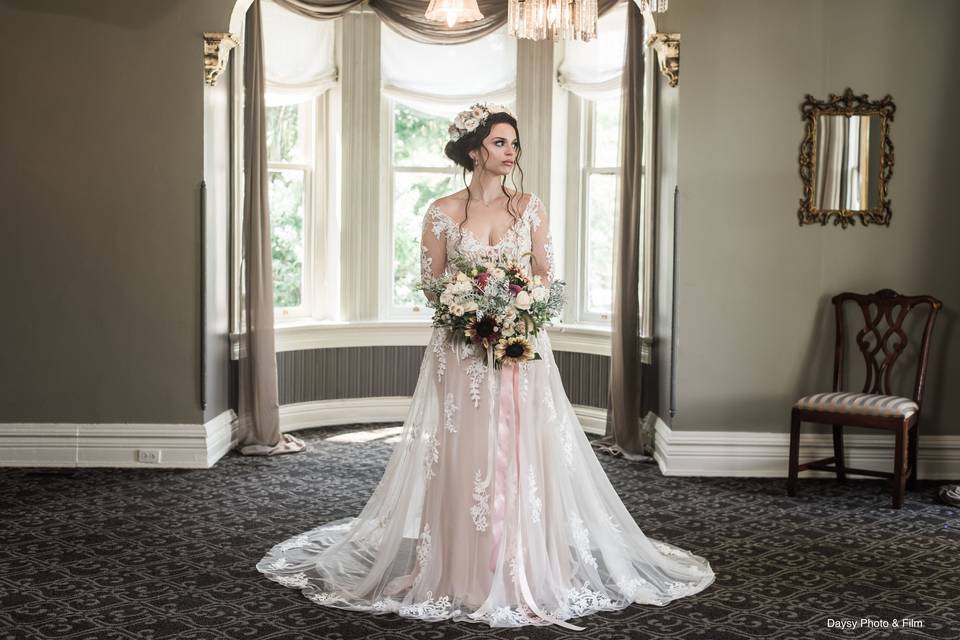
(900, 466)
(912, 456)
(838, 452)
(794, 454)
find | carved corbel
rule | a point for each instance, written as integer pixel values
(667, 46)
(216, 50)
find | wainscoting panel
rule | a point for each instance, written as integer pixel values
(383, 371)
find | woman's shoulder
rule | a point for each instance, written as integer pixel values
(453, 206)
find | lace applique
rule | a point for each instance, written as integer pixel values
(566, 444)
(508, 616)
(477, 370)
(631, 587)
(300, 541)
(439, 221)
(668, 550)
(548, 252)
(481, 506)
(295, 580)
(449, 411)
(432, 455)
(424, 547)
(439, 349)
(535, 503)
(583, 600)
(581, 538)
(429, 609)
(322, 597)
(426, 265)
(534, 217)
(524, 379)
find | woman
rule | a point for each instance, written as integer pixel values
(493, 507)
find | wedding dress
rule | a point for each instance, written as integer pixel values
(493, 507)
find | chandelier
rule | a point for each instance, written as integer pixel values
(453, 11)
(562, 19)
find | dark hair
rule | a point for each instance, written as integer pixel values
(459, 151)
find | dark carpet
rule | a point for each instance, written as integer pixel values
(149, 554)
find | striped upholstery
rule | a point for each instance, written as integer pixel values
(859, 403)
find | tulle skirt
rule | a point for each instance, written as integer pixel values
(493, 508)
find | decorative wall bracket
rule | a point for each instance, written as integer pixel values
(667, 46)
(216, 50)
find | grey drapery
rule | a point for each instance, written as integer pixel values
(406, 17)
(258, 406)
(623, 434)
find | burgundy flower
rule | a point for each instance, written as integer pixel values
(482, 278)
(515, 289)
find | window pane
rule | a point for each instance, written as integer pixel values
(601, 251)
(412, 193)
(286, 133)
(606, 133)
(286, 231)
(419, 138)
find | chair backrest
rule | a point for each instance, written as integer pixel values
(882, 338)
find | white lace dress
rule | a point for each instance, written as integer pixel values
(493, 507)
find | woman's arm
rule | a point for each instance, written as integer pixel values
(542, 245)
(433, 248)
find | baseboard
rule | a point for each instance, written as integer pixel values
(765, 454)
(305, 415)
(180, 446)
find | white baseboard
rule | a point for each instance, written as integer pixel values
(765, 454)
(180, 446)
(305, 415)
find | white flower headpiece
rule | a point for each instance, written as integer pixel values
(469, 120)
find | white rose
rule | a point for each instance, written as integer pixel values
(511, 312)
(471, 305)
(470, 124)
(461, 277)
(537, 280)
(522, 300)
(456, 309)
(498, 273)
(507, 331)
(539, 294)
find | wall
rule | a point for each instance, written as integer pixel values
(101, 118)
(754, 319)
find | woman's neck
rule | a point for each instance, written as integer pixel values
(486, 188)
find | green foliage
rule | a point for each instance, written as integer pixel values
(286, 223)
(283, 133)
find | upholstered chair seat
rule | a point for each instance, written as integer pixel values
(865, 404)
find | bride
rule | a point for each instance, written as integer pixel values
(493, 507)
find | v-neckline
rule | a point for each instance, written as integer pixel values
(509, 229)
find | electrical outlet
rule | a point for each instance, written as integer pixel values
(148, 455)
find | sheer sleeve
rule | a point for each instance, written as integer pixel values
(542, 245)
(433, 248)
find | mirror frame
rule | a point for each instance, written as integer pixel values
(847, 104)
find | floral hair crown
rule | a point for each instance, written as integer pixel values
(469, 120)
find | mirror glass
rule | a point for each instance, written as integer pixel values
(847, 162)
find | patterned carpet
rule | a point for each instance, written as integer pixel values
(150, 554)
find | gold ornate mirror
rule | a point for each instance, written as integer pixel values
(846, 160)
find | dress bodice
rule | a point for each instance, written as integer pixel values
(527, 238)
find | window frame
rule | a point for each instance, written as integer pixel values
(389, 170)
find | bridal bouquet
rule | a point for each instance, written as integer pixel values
(495, 306)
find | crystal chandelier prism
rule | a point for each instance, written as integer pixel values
(453, 11)
(553, 19)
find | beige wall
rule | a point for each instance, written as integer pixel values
(101, 123)
(754, 324)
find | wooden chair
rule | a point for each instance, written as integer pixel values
(875, 406)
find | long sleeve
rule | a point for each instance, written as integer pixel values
(542, 244)
(433, 248)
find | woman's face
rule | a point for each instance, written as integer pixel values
(499, 151)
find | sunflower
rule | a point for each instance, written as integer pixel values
(484, 331)
(515, 350)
